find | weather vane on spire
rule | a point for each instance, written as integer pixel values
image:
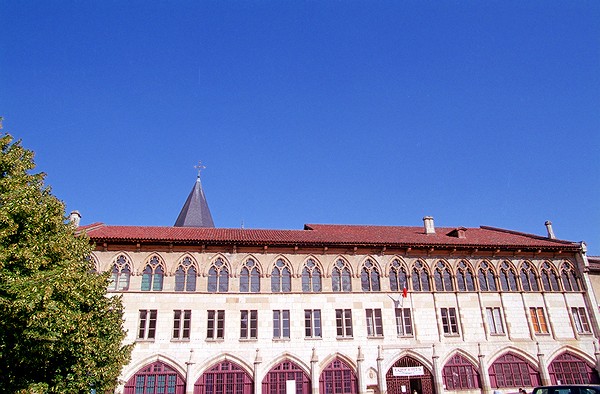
(199, 167)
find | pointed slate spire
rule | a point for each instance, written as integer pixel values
(195, 212)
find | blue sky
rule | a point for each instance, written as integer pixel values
(346, 112)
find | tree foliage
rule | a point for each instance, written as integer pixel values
(59, 331)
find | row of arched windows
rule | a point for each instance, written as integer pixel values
(419, 277)
(459, 373)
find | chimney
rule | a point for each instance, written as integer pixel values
(75, 218)
(429, 227)
(549, 228)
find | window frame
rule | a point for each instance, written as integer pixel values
(215, 325)
(538, 320)
(374, 323)
(581, 320)
(147, 324)
(281, 324)
(450, 324)
(404, 322)
(312, 324)
(343, 323)
(250, 329)
(494, 321)
(182, 320)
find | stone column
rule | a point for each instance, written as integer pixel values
(360, 374)
(597, 355)
(544, 375)
(257, 383)
(189, 385)
(437, 372)
(486, 386)
(380, 372)
(314, 374)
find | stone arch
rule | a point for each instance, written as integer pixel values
(225, 365)
(460, 371)
(133, 368)
(571, 366)
(370, 274)
(331, 357)
(511, 369)
(157, 375)
(279, 372)
(422, 383)
(346, 262)
(180, 259)
(312, 276)
(395, 269)
(338, 375)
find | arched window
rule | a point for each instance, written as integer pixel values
(218, 277)
(460, 374)
(398, 277)
(528, 277)
(487, 279)
(250, 277)
(276, 380)
(281, 278)
(508, 277)
(225, 377)
(569, 278)
(311, 277)
(549, 277)
(369, 277)
(464, 277)
(156, 378)
(442, 277)
(340, 277)
(420, 277)
(185, 275)
(153, 275)
(570, 369)
(511, 370)
(338, 377)
(120, 274)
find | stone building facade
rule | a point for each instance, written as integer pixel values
(349, 309)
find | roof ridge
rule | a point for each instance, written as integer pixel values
(523, 234)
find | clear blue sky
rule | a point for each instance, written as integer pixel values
(346, 112)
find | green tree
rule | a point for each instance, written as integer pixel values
(59, 331)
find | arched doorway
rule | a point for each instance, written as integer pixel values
(408, 375)
(460, 374)
(338, 378)
(225, 377)
(156, 378)
(570, 369)
(283, 374)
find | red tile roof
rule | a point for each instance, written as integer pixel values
(327, 234)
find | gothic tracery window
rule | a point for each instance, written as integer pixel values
(528, 277)
(569, 278)
(464, 277)
(120, 274)
(549, 277)
(369, 277)
(218, 277)
(281, 277)
(508, 277)
(487, 278)
(511, 370)
(185, 275)
(311, 277)
(420, 277)
(398, 276)
(340, 277)
(442, 277)
(250, 277)
(153, 275)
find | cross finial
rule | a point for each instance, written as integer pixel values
(199, 167)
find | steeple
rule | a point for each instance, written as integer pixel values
(195, 212)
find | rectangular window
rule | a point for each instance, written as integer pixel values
(494, 320)
(281, 324)
(538, 319)
(147, 326)
(374, 323)
(580, 319)
(249, 324)
(404, 322)
(215, 328)
(343, 322)
(312, 323)
(449, 321)
(181, 323)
